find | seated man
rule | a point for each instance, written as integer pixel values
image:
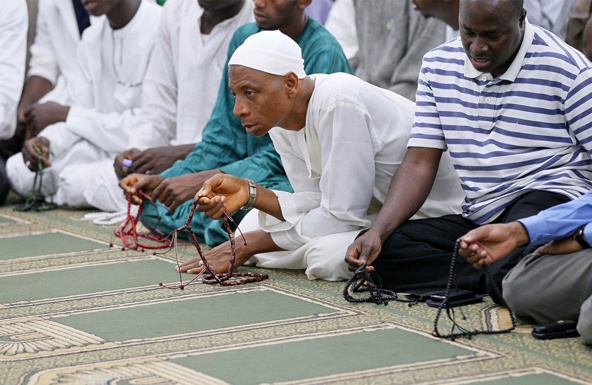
(226, 146)
(390, 51)
(341, 140)
(112, 59)
(555, 282)
(510, 102)
(52, 65)
(185, 67)
(13, 40)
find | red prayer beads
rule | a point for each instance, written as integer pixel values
(130, 238)
(133, 240)
(230, 278)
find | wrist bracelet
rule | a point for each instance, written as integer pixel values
(252, 195)
(581, 238)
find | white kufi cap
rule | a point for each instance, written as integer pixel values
(271, 52)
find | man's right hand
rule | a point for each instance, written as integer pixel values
(150, 161)
(222, 193)
(140, 186)
(175, 191)
(31, 154)
(120, 170)
(364, 250)
(489, 243)
(42, 115)
(157, 159)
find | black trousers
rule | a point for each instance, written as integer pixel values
(418, 254)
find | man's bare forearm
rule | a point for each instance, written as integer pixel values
(408, 190)
(184, 150)
(257, 242)
(35, 88)
(268, 202)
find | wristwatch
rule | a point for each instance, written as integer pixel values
(581, 238)
(252, 195)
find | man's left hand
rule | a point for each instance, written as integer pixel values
(31, 154)
(42, 115)
(218, 259)
(563, 246)
(155, 160)
(175, 191)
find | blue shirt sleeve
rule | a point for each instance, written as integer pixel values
(560, 221)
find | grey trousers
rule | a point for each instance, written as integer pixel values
(548, 288)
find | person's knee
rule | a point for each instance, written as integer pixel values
(152, 217)
(517, 295)
(157, 217)
(71, 184)
(585, 330)
(20, 177)
(325, 257)
(338, 272)
(327, 265)
(585, 321)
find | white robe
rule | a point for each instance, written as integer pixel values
(340, 166)
(341, 22)
(54, 48)
(14, 20)
(183, 78)
(107, 91)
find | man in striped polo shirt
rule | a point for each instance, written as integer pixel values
(509, 101)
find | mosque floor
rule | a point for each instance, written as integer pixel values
(75, 311)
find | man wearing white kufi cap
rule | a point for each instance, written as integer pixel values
(270, 52)
(341, 140)
(226, 147)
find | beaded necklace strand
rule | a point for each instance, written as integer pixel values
(36, 200)
(462, 331)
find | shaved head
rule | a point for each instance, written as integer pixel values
(513, 7)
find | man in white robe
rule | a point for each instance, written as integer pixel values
(13, 40)
(52, 65)
(112, 61)
(341, 141)
(182, 81)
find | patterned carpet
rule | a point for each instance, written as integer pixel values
(74, 311)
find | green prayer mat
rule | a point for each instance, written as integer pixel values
(5, 220)
(75, 311)
(50, 243)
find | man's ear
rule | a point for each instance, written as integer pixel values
(522, 18)
(291, 83)
(302, 4)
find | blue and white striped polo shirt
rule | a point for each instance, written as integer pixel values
(529, 129)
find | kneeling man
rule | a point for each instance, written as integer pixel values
(341, 141)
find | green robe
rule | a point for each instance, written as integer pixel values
(226, 145)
